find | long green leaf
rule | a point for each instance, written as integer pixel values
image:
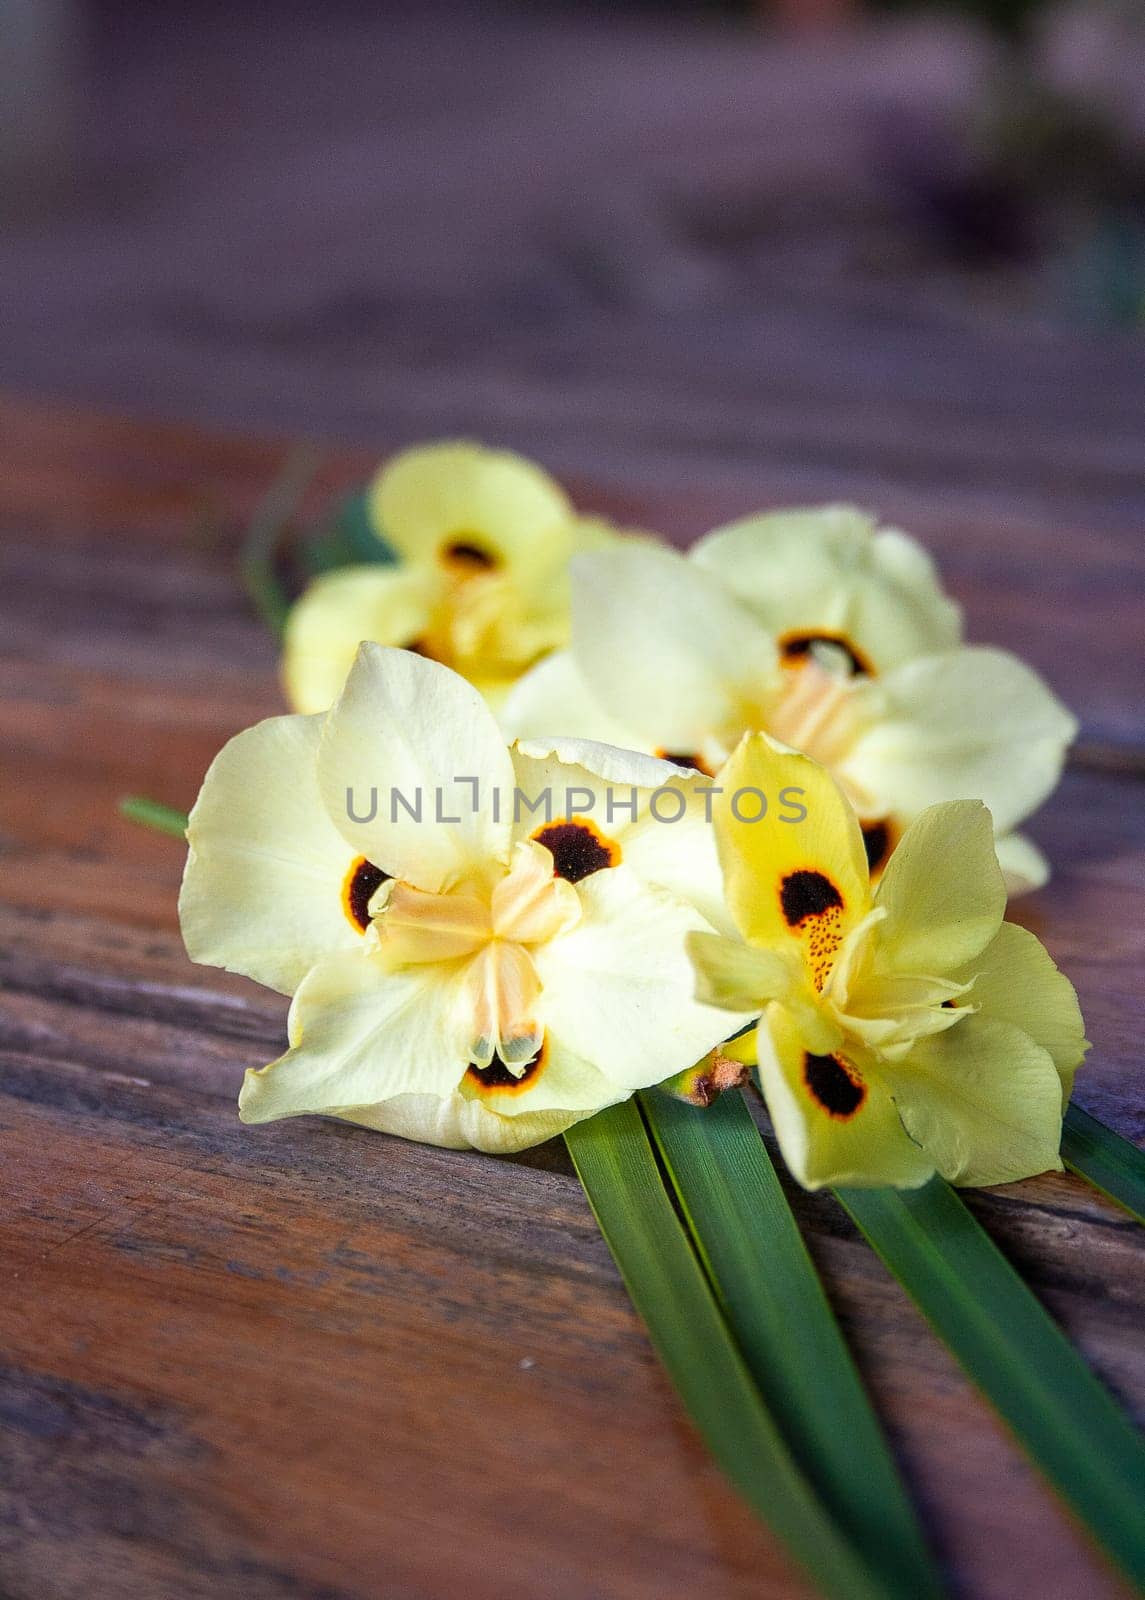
(1108, 1161)
(1016, 1354)
(617, 1166)
(751, 1246)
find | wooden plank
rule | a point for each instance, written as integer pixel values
(253, 1360)
(273, 1379)
(288, 1361)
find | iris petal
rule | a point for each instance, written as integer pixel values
(263, 886)
(836, 1123)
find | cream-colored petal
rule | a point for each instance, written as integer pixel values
(652, 816)
(942, 892)
(983, 1100)
(530, 905)
(390, 605)
(458, 1123)
(741, 977)
(737, 976)
(561, 763)
(797, 878)
(617, 989)
(835, 1120)
(552, 701)
(361, 1033)
(599, 533)
(667, 649)
(414, 927)
(407, 732)
(892, 1012)
(826, 571)
(501, 992)
(1015, 980)
(265, 886)
(972, 723)
(543, 590)
(1023, 865)
(814, 713)
(493, 625)
(432, 498)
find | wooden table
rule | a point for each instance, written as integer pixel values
(309, 1361)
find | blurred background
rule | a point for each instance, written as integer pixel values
(861, 241)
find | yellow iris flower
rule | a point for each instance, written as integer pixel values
(826, 632)
(906, 1030)
(483, 541)
(483, 945)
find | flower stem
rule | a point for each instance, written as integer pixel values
(151, 814)
(260, 545)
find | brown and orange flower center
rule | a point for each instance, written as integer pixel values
(578, 848)
(796, 649)
(687, 759)
(359, 886)
(812, 905)
(497, 1078)
(879, 840)
(834, 1084)
(465, 554)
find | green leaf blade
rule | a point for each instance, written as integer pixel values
(1016, 1354)
(347, 539)
(616, 1164)
(1104, 1159)
(751, 1246)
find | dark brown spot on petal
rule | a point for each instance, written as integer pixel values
(834, 1084)
(807, 894)
(694, 762)
(812, 905)
(578, 849)
(358, 889)
(877, 843)
(796, 649)
(499, 1077)
(464, 554)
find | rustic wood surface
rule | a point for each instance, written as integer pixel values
(693, 271)
(308, 1361)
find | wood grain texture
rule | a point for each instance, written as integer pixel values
(306, 1362)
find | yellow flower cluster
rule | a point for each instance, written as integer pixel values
(755, 801)
(483, 541)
